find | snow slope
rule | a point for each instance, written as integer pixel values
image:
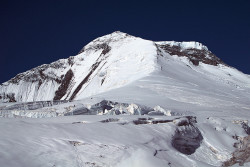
(106, 63)
(174, 82)
(91, 141)
(113, 61)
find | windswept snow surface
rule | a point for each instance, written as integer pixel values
(135, 72)
(82, 141)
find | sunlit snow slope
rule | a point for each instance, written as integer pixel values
(187, 72)
(184, 72)
(155, 104)
(106, 63)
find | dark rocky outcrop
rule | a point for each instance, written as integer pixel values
(62, 90)
(240, 155)
(140, 121)
(110, 120)
(71, 60)
(187, 137)
(187, 140)
(37, 74)
(106, 48)
(246, 128)
(193, 54)
(93, 68)
(10, 97)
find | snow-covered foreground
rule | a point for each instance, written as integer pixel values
(118, 140)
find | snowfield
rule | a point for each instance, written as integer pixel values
(126, 101)
(121, 140)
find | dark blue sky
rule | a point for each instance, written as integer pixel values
(39, 32)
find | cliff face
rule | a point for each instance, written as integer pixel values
(194, 51)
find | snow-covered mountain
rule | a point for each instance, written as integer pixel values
(126, 101)
(116, 60)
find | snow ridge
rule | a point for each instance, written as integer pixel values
(113, 61)
(184, 45)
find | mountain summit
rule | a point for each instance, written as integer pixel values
(158, 104)
(116, 60)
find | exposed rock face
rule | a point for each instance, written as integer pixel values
(101, 58)
(187, 137)
(37, 74)
(246, 127)
(33, 85)
(242, 154)
(110, 120)
(102, 42)
(8, 97)
(103, 46)
(149, 120)
(195, 55)
(62, 90)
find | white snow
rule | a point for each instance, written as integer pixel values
(85, 141)
(172, 86)
(184, 45)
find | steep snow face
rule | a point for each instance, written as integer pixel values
(36, 84)
(122, 60)
(106, 63)
(116, 60)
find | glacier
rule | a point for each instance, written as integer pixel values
(127, 101)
